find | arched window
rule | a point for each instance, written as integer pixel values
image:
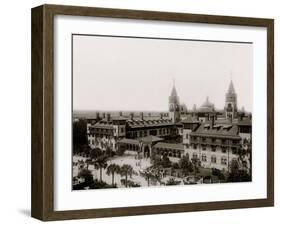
(223, 160)
(194, 155)
(213, 159)
(204, 158)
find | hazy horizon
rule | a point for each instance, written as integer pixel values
(135, 74)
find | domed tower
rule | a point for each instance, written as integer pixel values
(174, 105)
(230, 102)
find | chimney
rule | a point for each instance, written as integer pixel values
(131, 115)
(103, 115)
(120, 113)
(241, 115)
(141, 115)
(161, 115)
(108, 117)
(98, 116)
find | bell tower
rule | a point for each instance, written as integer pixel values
(230, 102)
(174, 105)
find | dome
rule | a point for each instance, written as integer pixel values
(207, 106)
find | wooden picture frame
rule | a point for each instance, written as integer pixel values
(43, 107)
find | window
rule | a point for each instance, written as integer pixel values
(223, 149)
(179, 154)
(194, 155)
(234, 151)
(213, 159)
(204, 147)
(223, 161)
(213, 148)
(195, 146)
(204, 158)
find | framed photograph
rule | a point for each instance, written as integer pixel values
(142, 112)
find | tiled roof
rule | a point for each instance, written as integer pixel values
(177, 146)
(190, 119)
(135, 123)
(119, 118)
(103, 124)
(129, 141)
(218, 130)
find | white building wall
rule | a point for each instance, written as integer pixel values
(209, 153)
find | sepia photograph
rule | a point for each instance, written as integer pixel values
(150, 112)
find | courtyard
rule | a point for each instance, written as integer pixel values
(138, 166)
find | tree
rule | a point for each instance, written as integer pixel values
(218, 173)
(196, 165)
(126, 170)
(79, 134)
(236, 174)
(163, 162)
(112, 169)
(245, 155)
(166, 162)
(148, 175)
(172, 181)
(185, 165)
(109, 152)
(100, 163)
(87, 175)
(88, 162)
(95, 153)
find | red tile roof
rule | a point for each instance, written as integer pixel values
(218, 130)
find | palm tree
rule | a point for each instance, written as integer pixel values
(95, 153)
(148, 175)
(112, 169)
(100, 163)
(126, 170)
(88, 162)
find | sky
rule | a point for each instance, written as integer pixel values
(136, 74)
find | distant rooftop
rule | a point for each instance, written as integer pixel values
(217, 130)
(137, 122)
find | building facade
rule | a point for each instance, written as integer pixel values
(199, 134)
